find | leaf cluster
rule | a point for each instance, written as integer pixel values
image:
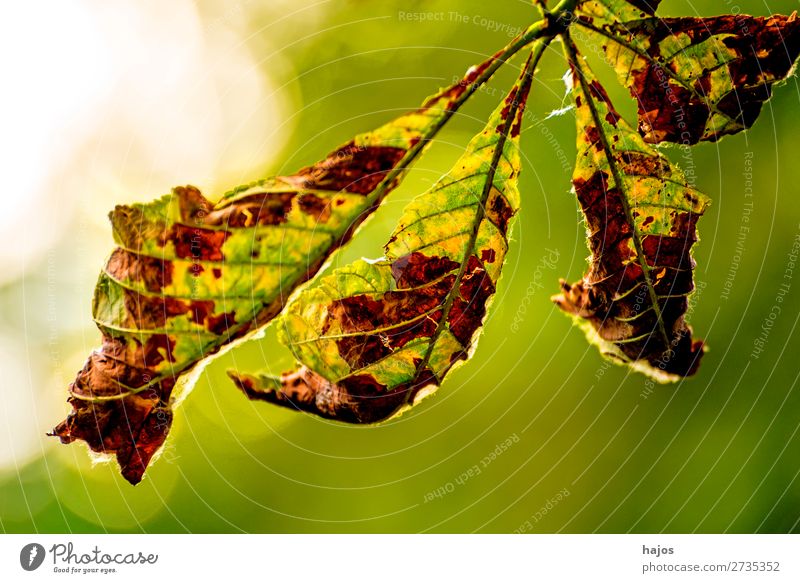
(190, 275)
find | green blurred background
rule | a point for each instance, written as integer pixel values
(216, 94)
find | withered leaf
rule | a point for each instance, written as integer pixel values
(377, 336)
(640, 216)
(188, 275)
(697, 78)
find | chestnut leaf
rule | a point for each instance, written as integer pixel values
(641, 217)
(376, 336)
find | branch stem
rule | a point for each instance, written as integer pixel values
(547, 29)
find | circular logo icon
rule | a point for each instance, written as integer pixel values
(31, 556)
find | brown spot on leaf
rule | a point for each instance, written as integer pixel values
(263, 208)
(375, 327)
(153, 272)
(592, 135)
(202, 313)
(150, 312)
(401, 316)
(498, 210)
(520, 100)
(389, 322)
(504, 113)
(156, 349)
(641, 164)
(197, 243)
(418, 269)
(357, 169)
(315, 206)
(765, 49)
(469, 307)
(199, 310)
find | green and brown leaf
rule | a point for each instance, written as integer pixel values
(188, 276)
(376, 336)
(641, 218)
(694, 79)
(615, 10)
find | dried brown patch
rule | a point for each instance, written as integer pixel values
(613, 295)
(766, 49)
(357, 169)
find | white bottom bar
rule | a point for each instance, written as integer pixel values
(389, 558)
